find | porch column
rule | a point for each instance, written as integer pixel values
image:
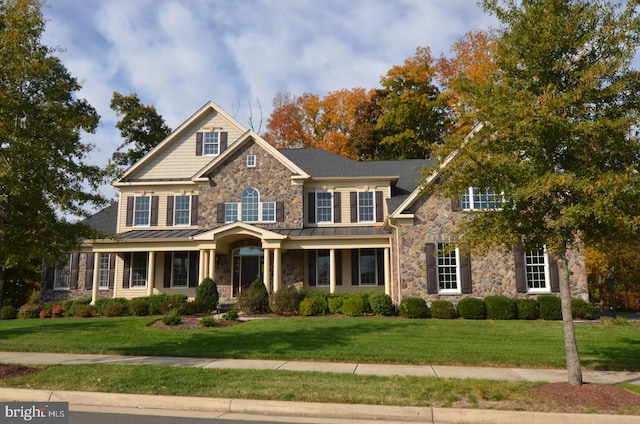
(387, 271)
(96, 271)
(267, 270)
(151, 274)
(332, 270)
(212, 264)
(277, 278)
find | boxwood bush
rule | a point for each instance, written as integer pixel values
(139, 306)
(380, 303)
(313, 305)
(500, 307)
(8, 312)
(413, 307)
(581, 309)
(355, 305)
(527, 309)
(442, 309)
(335, 303)
(472, 308)
(550, 307)
(285, 301)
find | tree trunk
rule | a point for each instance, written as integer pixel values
(574, 369)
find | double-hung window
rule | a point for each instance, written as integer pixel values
(477, 198)
(139, 270)
(180, 269)
(142, 210)
(366, 206)
(230, 212)
(211, 143)
(368, 267)
(182, 210)
(103, 270)
(324, 207)
(323, 267)
(250, 208)
(537, 271)
(62, 277)
(448, 260)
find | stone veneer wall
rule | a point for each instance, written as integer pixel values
(80, 292)
(491, 274)
(270, 177)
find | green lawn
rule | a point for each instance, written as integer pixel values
(385, 340)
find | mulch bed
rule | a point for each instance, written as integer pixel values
(586, 398)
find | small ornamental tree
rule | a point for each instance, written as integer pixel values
(207, 293)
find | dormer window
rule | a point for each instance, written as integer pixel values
(211, 143)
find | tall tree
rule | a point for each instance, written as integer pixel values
(141, 127)
(559, 139)
(43, 173)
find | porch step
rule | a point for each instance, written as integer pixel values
(226, 306)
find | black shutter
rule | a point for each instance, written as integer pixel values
(337, 207)
(195, 199)
(553, 274)
(311, 205)
(379, 207)
(129, 221)
(199, 144)
(112, 270)
(154, 211)
(432, 268)
(380, 265)
(279, 211)
(73, 277)
(312, 267)
(167, 269)
(521, 275)
(224, 137)
(353, 205)
(170, 200)
(465, 272)
(126, 275)
(220, 213)
(88, 276)
(193, 268)
(49, 276)
(355, 267)
(338, 269)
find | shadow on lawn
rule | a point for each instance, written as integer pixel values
(624, 357)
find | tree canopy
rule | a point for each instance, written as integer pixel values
(43, 173)
(559, 141)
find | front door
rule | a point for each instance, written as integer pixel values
(247, 267)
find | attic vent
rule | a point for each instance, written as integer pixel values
(251, 161)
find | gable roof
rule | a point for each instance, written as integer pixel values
(104, 221)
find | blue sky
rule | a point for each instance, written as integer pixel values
(178, 54)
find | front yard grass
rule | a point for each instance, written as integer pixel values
(365, 339)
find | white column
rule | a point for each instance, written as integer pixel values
(202, 260)
(332, 270)
(151, 273)
(212, 265)
(266, 272)
(96, 271)
(277, 277)
(387, 271)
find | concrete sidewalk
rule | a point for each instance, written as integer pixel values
(228, 408)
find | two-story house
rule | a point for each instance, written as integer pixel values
(215, 200)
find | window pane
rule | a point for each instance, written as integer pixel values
(210, 143)
(139, 270)
(368, 267)
(324, 207)
(182, 210)
(62, 276)
(323, 265)
(230, 212)
(447, 267)
(535, 269)
(365, 206)
(180, 270)
(103, 271)
(269, 212)
(250, 202)
(141, 210)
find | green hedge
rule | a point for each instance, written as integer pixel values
(313, 305)
(550, 307)
(335, 302)
(413, 307)
(500, 307)
(355, 305)
(285, 301)
(380, 303)
(442, 309)
(527, 309)
(581, 309)
(472, 308)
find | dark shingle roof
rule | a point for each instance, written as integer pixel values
(104, 221)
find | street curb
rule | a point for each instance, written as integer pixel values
(307, 409)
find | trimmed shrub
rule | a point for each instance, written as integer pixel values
(84, 311)
(139, 306)
(207, 294)
(173, 318)
(71, 309)
(195, 307)
(232, 315)
(442, 309)
(354, 305)
(208, 321)
(254, 300)
(581, 309)
(312, 305)
(472, 308)
(413, 307)
(500, 307)
(526, 309)
(381, 303)
(104, 306)
(29, 310)
(285, 301)
(550, 308)
(155, 303)
(8, 312)
(335, 302)
(115, 309)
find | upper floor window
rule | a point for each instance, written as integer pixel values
(324, 207)
(366, 206)
(251, 161)
(250, 205)
(211, 143)
(62, 278)
(477, 198)
(251, 209)
(182, 210)
(142, 210)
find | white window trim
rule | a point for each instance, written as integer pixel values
(135, 206)
(100, 270)
(331, 221)
(146, 277)
(373, 199)
(317, 270)
(472, 207)
(260, 213)
(175, 210)
(458, 289)
(547, 275)
(205, 144)
(66, 273)
(172, 285)
(375, 268)
(251, 161)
